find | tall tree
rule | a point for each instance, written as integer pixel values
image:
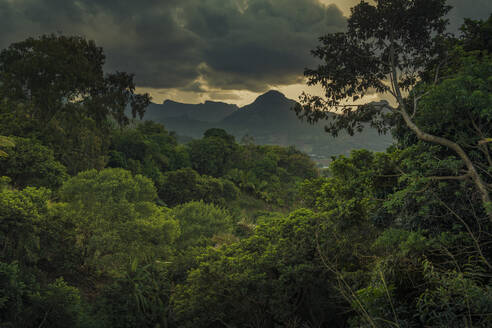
(31, 164)
(390, 47)
(65, 73)
(61, 83)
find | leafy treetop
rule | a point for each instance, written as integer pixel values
(390, 47)
(65, 73)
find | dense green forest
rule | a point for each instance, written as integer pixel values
(105, 222)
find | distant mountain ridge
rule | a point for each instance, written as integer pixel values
(267, 111)
(269, 120)
(209, 111)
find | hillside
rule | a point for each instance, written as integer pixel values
(109, 222)
(268, 120)
(209, 111)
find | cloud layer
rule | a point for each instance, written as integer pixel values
(194, 45)
(188, 44)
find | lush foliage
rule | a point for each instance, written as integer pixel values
(54, 89)
(118, 225)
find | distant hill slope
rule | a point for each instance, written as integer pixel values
(269, 120)
(268, 113)
(210, 111)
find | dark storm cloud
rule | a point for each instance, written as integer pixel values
(143, 36)
(267, 43)
(193, 44)
(232, 44)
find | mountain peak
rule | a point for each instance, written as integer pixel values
(272, 94)
(271, 98)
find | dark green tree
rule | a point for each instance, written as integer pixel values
(274, 278)
(199, 222)
(212, 154)
(31, 164)
(147, 149)
(389, 47)
(21, 212)
(5, 142)
(185, 185)
(477, 35)
(60, 85)
(65, 73)
(24, 303)
(219, 133)
(114, 218)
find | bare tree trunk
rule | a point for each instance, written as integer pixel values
(472, 171)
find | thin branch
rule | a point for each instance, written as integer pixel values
(482, 144)
(475, 240)
(415, 102)
(343, 284)
(44, 318)
(479, 183)
(436, 76)
(485, 141)
(450, 177)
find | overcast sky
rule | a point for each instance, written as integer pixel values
(194, 50)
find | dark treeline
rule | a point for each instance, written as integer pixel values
(108, 223)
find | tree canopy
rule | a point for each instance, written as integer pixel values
(398, 47)
(65, 74)
(55, 89)
(120, 225)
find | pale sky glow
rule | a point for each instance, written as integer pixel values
(238, 97)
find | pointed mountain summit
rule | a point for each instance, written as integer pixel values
(271, 96)
(271, 110)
